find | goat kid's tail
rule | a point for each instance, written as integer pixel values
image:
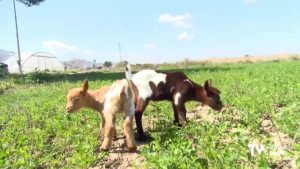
(128, 72)
(129, 80)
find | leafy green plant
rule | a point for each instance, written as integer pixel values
(36, 132)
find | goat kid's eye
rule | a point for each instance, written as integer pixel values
(76, 99)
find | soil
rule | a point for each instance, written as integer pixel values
(119, 157)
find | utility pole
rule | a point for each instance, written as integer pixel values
(17, 34)
(120, 53)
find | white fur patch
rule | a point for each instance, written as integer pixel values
(142, 79)
(128, 72)
(125, 85)
(132, 108)
(187, 80)
(114, 91)
(176, 98)
(172, 88)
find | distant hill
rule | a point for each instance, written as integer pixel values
(253, 59)
(5, 54)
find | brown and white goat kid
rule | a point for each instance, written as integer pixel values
(175, 87)
(108, 101)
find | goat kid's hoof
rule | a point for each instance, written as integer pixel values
(115, 138)
(132, 149)
(175, 122)
(182, 123)
(104, 149)
(144, 138)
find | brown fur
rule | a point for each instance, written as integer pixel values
(108, 101)
(178, 89)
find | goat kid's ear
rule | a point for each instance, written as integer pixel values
(208, 84)
(85, 87)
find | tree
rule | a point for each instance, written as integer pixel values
(94, 64)
(107, 64)
(31, 2)
(122, 64)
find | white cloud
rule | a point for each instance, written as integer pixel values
(65, 51)
(185, 36)
(182, 21)
(249, 1)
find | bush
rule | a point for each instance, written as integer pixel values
(294, 57)
(3, 72)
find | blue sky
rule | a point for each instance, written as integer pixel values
(153, 31)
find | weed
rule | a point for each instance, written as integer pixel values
(35, 131)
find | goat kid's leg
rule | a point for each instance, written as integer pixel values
(139, 125)
(103, 127)
(176, 118)
(115, 133)
(128, 130)
(109, 129)
(103, 121)
(182, 113)
(141, 105)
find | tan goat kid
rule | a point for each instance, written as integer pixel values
(108, 101)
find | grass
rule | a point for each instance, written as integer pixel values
(35, 131)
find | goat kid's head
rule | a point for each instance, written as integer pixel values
(77, 98)
(212, 96)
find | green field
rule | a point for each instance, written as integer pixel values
(35, 131)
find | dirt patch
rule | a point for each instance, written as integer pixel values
(120, 157)
(282, 143)
(203, 113)
(279, 138)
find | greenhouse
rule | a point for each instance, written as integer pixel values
(41, 61)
